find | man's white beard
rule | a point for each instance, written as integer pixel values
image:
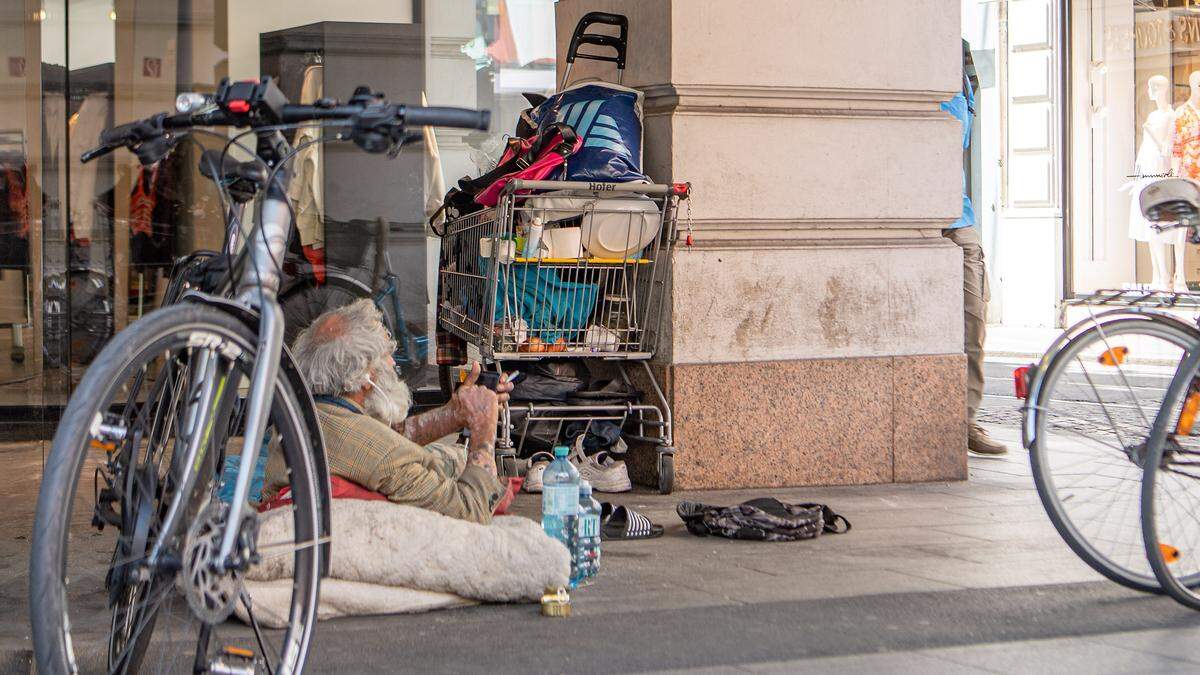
(389, 400)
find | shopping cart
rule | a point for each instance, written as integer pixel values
(591, 286)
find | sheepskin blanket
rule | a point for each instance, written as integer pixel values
(389, 559)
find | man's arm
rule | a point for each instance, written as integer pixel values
(452, 417)
(472, 496)
(430, 426)
(481, 451)
(480, 407)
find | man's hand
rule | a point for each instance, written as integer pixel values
(503, 389)
(479, 407)
(452, 417)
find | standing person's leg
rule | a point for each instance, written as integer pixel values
(975, 298)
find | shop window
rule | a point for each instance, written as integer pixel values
(87, 249)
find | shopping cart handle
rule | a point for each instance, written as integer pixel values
(582, 186)
(618, 43)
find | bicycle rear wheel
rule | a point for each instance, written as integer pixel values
(1094, 410)
(100, 599)
(306, 299)
(1170, 498)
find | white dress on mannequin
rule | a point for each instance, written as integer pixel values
(1151, 164)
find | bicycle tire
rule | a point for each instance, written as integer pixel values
(1130, 574)
(49, 604)
(1181, 587)
(305, 299)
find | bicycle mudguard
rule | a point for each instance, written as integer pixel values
(288, 367)
(1028, 432)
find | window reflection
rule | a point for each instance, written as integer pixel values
(85, 249)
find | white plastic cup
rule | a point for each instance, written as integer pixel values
(505, 250)
(564, 242)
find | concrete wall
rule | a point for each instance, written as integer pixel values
(815, 328)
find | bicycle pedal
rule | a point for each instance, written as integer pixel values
(240, 652)
(234, 661)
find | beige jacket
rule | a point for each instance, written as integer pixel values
(366, 451)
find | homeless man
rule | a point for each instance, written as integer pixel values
(362, 404)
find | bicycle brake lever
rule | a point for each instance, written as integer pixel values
(394, 151)
(375, 129)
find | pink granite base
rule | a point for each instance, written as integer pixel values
(929, 437)
(815, 422)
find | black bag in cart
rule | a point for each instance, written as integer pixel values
(608, 117)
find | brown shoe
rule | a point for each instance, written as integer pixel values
(980, 443)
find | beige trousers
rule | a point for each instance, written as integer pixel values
(975, 299)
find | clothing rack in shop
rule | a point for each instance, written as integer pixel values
(12, 151)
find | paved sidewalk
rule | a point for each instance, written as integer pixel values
(943, 577)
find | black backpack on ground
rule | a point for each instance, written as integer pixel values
(763, 519)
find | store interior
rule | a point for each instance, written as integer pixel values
(85, 249)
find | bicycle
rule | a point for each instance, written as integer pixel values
(1098, 408)
(152, 418)
(1170, 517)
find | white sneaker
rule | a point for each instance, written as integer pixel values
(602, 471)
(537, 467)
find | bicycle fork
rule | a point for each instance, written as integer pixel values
(259, 288)
(210, 390)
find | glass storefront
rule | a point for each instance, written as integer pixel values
(85, 249)
(1079, 105)
(1142, 75)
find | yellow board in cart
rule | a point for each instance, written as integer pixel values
(589, 261)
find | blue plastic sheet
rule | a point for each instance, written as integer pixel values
(229, 475)
(553, 308)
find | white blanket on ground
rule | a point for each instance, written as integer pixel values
(389, 559)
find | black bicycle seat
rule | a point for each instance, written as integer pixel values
(1171, 200)
(242, 178)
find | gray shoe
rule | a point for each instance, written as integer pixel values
(979, 443)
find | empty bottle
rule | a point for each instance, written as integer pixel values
(589, 534)
(560, 505)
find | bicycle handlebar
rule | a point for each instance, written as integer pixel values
(456, 118)
(375, 125)
(154, 128)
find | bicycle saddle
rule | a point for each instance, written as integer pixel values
(1175, 200)
(243, 178)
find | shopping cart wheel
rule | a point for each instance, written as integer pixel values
(666, 471)
(508, 466)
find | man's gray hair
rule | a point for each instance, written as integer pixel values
(338, 352)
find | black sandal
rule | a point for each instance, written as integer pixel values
(621, 522)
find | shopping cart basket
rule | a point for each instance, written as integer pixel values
(591, 286)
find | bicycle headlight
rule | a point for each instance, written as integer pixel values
(190, 101)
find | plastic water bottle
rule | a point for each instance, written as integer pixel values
(560, 505)
(533, 241)
(589, 533)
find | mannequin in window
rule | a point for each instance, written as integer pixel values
(1154, 158)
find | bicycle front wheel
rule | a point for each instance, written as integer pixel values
(1091, 420)
(1171, 492)
(118, 584)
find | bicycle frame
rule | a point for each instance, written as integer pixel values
(257, 292)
